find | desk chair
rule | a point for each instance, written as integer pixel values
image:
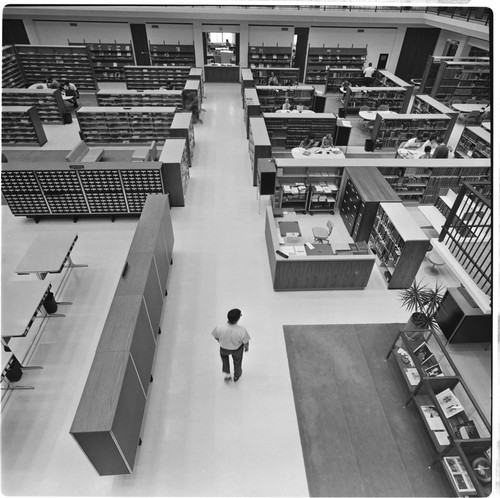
(321, 234)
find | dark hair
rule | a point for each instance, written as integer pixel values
(233, 315)
(66, 83)
(427, 148)
(439, 140)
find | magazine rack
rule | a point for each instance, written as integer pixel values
(456, 425)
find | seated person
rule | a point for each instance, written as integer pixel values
(52, 83)
(308, 142)
(441, 151)
(273, 80)
(431, 141)
(427, 152)
(287, 106)
(69, 90)
(327, 141)
(413, 143)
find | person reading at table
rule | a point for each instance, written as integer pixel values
(427, 152)
(327, 141)
(52, 83)
(286, 106)
(69, 90)
(441, 151)
(308, 142)
(413, 143)
(431, 141)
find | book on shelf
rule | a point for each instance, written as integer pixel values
(433, 418)
(449, 403)
(434, 371)
(466, 430)
(412, 375)
(442, 437)
(459, 474)
(423, 353)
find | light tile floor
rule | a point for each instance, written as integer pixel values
(201, 436)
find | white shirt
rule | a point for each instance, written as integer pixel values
(231, 336)
(368, 72)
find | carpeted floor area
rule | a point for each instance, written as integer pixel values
(357, 437)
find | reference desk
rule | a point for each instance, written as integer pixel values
(340, 270)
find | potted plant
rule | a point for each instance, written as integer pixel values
(423, 302)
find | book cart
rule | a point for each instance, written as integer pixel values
(460, 432)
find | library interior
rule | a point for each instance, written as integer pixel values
(325, 169)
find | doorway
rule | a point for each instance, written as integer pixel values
(221, 47)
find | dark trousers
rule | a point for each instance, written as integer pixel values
(237, 355)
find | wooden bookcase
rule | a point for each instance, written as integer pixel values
(286, 76)
(269, 56)
(124, 125)
(21, 125)
(458, 429)
(12, 74)
(396, 97)
(182, 127)
(175, 159)
(37, 190)
(272, 98)
(172, 55)
(288, 130)
(259, 145)
(63, 62)
(49, 103)
(425, 104)
(392, 131)
(336, 76)
(329, 65)
(139, 98)
(362, 190)
(399, 243)
(108, 59)
(155, 77)
(475, 142)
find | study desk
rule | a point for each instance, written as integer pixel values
(317, 153)
(48, 253)
(341, 270)
(466, 108)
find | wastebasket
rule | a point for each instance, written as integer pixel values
(369, 145)
(49, 303)
(341, 112)
(14, 373)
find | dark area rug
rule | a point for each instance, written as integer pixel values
(357, 437)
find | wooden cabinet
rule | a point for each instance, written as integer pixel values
(172, 55)
(259, 145)
(399, 243)
(21, 125)
(155, 77)
(49, 103)
(363, 189)
(175, 159)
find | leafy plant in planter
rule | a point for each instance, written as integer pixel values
(423, 302)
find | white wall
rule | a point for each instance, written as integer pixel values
(58, 33)
(170, 34)
(270, 36)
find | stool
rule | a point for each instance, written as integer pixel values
(435, 260)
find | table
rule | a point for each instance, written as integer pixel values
(318, 153)
(412, 153)
(436, 260)
(48, 253)
(289, 227)
(38, 86)
(371, 115)
(319, 250)
(466, 108)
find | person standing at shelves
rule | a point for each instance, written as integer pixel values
(70, 92)
(441, 151)
(273, 80)
(343, 89)
(327, 141)
(308, 142)
(233, 340)
(368, 73)
(286, 106)
(427, 152)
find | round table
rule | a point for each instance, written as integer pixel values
(435, 260)
(371, 115)
(318, 153)
(466, 108)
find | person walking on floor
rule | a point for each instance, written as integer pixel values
(233, 340)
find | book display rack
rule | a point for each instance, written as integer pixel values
(109, 59)
(331, 66)
(172, 55)
(21, 125)
(286, 76)
(399, 243)
(396, 97)
(259, 145)
(425, 104)
(139, 98)
(155, 77)
(288, 130)
(112, 188)
(272, 98)
(175, 159)
(474, 142)
(269, 57)
(124, 125)
(12, 74)
(392, 131)
(458, 429)
(72, 63)
(49, 103)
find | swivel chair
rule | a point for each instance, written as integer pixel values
(321, 234)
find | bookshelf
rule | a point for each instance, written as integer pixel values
(247, 81)
(329, 65)
(182, 127)
(72, 63)
(251, 106)
(109, 59)
(286, 76)
(399, 243)
(196, 73)
(391, 131)
(272, 98)
(37, 190)
(155, 77)
(474, 142)
(175, 159)
(288, 130)
(269, 57)
(259, 145)
(362, 190)
(336, 76)
(396, 97)
(21, 125)
(49, 103)
(124, 125)
(172, 55)
(12, 74)
(458, 429)
(139, 98)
